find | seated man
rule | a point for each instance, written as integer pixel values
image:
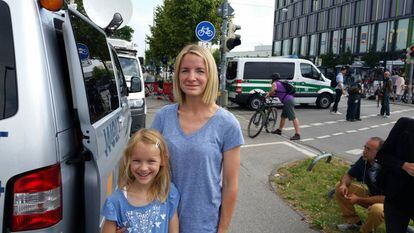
(365, 194)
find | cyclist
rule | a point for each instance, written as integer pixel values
(288, 106)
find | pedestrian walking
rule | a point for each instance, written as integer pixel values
(399, 87)
(204, 142)
(354, 102)
(288, 111)
(339, 89)
(396, 177)
(386, 92)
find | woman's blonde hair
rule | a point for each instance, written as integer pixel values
(210, 93)
(160, 187)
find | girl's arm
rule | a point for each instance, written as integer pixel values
(231, 168)
(173, 226)
(109, 227)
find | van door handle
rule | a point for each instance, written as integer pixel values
(121, 120)
(124, 105)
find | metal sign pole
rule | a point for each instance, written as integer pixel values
(410, 83)
(223, 92)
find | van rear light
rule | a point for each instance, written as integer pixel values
(238, 86)
(37, 199)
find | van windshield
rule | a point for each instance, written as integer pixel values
(231, 70)
(129, 67)
(263, 70)
(8, 82)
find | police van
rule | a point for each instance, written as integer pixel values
(131, 67)
(64, 118)
(247, 77)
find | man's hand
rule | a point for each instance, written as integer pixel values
(343, 189)
(409, 168)
(353, 199)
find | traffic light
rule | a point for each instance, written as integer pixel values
(232, 39)
(410, 54)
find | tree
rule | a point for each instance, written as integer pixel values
(372, 58)
(124, 33)
(175, 23)
(346, 57)
(329, 60)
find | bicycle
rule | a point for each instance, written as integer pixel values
(265, 116)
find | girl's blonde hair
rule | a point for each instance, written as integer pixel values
(161, 185)
(210, 93)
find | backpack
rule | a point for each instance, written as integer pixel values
(290, 89)
(333, 82)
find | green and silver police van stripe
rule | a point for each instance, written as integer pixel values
(248, 77)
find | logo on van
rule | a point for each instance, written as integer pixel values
(111, 133)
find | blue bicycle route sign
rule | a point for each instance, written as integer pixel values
(205, 31)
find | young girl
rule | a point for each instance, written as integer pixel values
(145, 201)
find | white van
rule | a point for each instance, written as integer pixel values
(248, 76)
(131, 67)
(64, 119)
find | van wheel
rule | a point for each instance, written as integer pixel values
(324, 101)
(254, 102)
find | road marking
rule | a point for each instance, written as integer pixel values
(374, 126)
(336, 134)
(304, 126)
(304, 151)
(307, 139)
(362, 129)
(354, 152)
(317, 124)
(330, 122)
(363, 117)
(351, 131)
(324, 136)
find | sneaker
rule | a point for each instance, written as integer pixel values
(295, 137)
(348, 226)
(338, 113)
(386, 116)
(278, 131)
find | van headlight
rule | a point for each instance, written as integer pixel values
(136, 103)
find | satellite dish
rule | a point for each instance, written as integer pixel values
(102, 12)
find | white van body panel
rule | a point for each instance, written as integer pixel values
(43, 131)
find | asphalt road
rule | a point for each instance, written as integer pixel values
(258, 208)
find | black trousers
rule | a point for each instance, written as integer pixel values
(338, 94)
(396, 221)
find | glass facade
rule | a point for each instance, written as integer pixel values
(314, 27)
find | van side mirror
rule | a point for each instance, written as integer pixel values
(135, 84)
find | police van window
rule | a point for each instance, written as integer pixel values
(8, 82)
(98, 73)
(119, 73)
(231, 70)
(263, 70)
(308, 71)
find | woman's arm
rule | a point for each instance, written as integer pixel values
(231, 168)
(173, 226)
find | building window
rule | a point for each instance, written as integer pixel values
(312, 23)
(363, 39)
(304, 46)
(326, 3)
(285, 29)
(306, 6)
(348, 39)
(323, 43)
(333, 18)
(315, 5)
(293, 27)
(277, 48)
(377, 10)
(286, 47)
(360, 12)
(391, 36)
(312, 45)
(299, 8)
(295, 46)
(409, 7)
(335, 42)
(322, 20)
(345, 15)
(381, 37)
(302, 26)
(372, 38)
(402, 34)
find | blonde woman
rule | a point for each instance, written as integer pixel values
(204, 141)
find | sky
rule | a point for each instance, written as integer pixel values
(254, 17)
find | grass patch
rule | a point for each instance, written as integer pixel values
(307, 192)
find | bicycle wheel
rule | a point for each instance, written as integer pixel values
(256, 124)
(271, 120)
